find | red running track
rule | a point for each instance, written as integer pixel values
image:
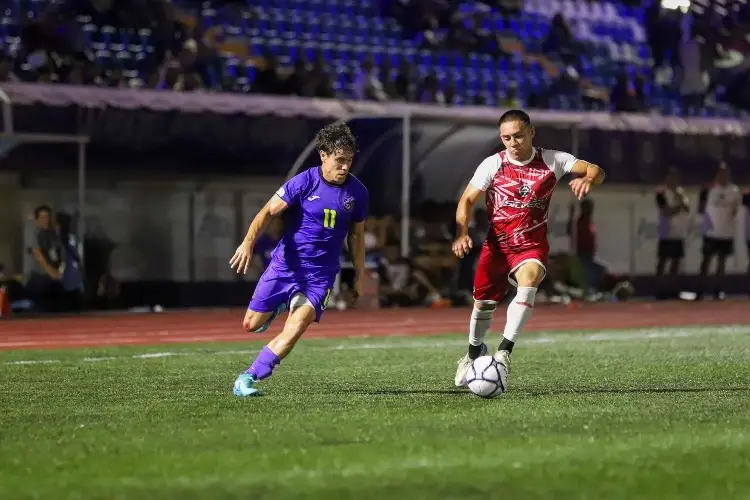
(225, 326)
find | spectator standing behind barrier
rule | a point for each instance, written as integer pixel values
(719, 205)
(584, 240)
(44, 284)
(674, 220)
(72, 275)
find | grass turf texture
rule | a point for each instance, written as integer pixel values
(613, 415)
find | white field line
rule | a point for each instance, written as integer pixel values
(430, 343)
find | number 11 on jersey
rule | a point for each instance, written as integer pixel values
(329, 218)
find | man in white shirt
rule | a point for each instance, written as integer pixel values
(719, 205)
(674, 220)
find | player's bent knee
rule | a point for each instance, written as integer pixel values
(254, 320)
(485, 305)
(530, 274)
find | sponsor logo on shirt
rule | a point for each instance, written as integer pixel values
(348, 203)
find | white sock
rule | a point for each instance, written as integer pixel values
(519, 311)
(479, 325)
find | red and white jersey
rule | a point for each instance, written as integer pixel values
(518, 196)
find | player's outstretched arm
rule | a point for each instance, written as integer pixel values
(244, 253)
(589, 175)
(356, 241)
(462, 244)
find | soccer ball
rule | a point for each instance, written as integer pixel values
(487, 378)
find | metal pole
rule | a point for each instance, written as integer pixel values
(575, 140)
(7, 112)
(405, 183)
(82, 195)
(633, 237)
(573, 221)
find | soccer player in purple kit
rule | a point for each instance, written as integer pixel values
(321, 208)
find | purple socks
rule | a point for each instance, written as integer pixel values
(264, 364)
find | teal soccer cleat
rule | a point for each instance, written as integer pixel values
(243, 386)
(275, 315)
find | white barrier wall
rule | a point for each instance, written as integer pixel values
(180, 232)
(626, 221)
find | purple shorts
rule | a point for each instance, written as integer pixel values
(277, 285)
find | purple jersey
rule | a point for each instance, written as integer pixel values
(319, 216)
(264, 247)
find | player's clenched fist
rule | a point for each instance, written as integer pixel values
(242, 257)
(462, 246)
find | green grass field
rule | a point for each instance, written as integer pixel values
(606, 416)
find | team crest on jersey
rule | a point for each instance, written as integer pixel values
(524, 190)
(348, 203)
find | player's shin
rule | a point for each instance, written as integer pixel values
(481, 319)
(519, 312)
(264, 364)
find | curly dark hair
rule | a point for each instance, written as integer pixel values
(336, 138)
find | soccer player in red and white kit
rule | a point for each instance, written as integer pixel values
(518, 184)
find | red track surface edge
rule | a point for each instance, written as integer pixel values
(225, 326)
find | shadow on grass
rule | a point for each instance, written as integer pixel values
(403, 392)
(562, 392)
(663, 390)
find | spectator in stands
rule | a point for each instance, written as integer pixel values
(488, 40)
(6, 68)
(75, 75)
(403, 84)
(568, 84)
(560, 41)
(115, 77)
(694, 79)
(511, 100)
(267, 79)
(463, 35)
(450, 92)
(430, 91)
(433, 37)
(296, 82)
(320, 81)
(367, 84)
(170, 75)
(43, 284)
(508, 7)
(625, 97)
(72, 275)
(639, 91)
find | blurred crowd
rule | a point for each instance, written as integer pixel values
(703, 53)
(699, 55)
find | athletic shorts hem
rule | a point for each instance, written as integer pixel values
(671, 249)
